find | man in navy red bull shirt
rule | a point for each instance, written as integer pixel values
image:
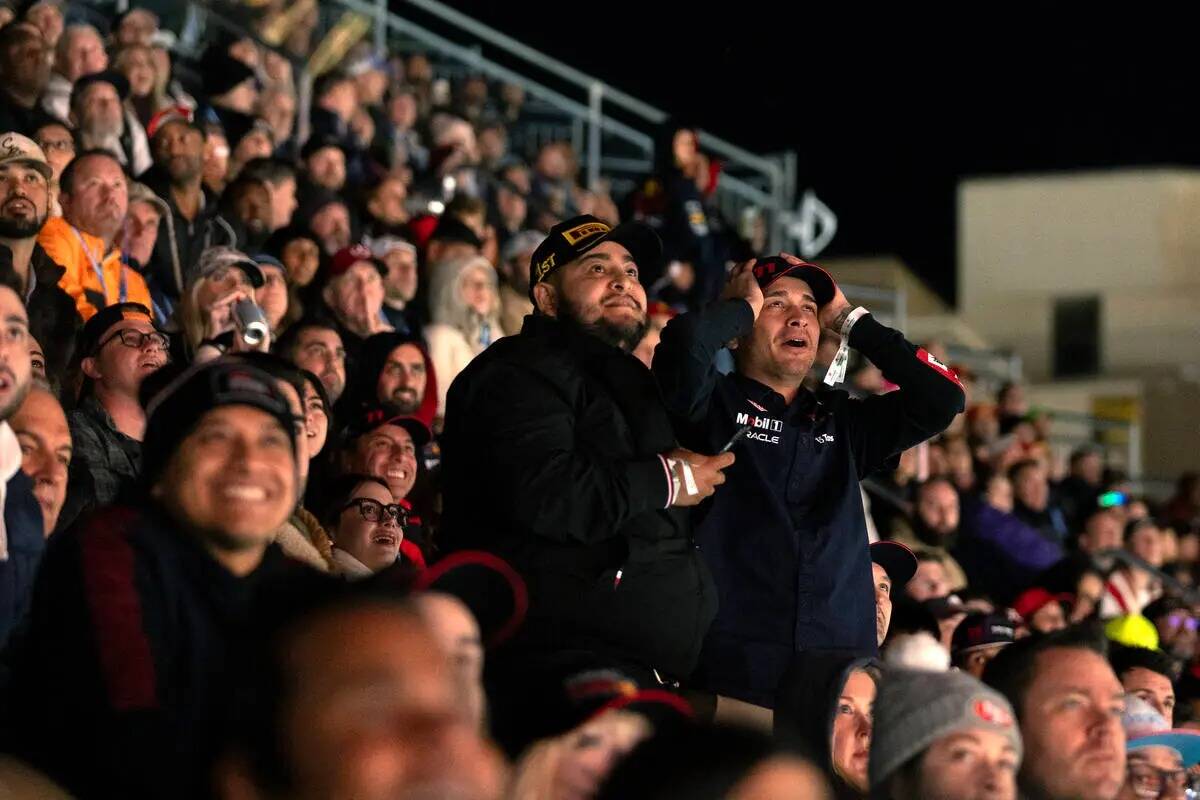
(786, 540)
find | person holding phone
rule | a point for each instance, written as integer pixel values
(559, 456)
(786, 539)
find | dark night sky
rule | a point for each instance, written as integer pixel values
(887, 113)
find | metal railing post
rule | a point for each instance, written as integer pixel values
(595, 98)
(304, 85)
(381, 12)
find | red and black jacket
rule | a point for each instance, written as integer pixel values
(122, 680)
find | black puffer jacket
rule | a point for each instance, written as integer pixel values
(551, 460)
(53, 318)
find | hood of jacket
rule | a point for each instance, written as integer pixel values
(445, 297)
(362, 385)
(807, 701)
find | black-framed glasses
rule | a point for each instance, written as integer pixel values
(1151, 782)
(375, 511)
(137, 339)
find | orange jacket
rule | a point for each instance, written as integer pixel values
(66, 245)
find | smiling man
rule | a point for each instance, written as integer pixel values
(118, 688)
(788, 546)
(559, 456)
(384, 443)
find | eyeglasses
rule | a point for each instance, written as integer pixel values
(66, 145)
(1152, 782)
(375, 511)
(137, 340)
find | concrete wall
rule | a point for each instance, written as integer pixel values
(1130, 237)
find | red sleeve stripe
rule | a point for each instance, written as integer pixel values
(126, 661)
(931, 362)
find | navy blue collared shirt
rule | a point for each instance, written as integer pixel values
(785, 536)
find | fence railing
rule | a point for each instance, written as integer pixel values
(766, 182)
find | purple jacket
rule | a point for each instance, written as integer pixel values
(1001, 554)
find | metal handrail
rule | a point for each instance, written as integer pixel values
(777, 198)
(499, 72)
(586, 82)
(525, 52)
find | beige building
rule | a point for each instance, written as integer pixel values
(1031, 246)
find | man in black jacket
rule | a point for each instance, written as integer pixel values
(24, 266)
(559, 456)
(122, 679)
(194, 224)
(788, 547)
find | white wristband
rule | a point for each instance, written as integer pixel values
(689, 480)
(837, 369)
(687, 484)
(851, 318)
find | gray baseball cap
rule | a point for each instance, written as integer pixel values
(914, 709)
(221, 256)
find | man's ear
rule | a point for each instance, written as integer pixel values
(545, 299)
(89, 368)
(327, 294)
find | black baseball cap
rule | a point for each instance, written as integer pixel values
(111, 77)
(320, 142)
(899, 562)
(450, 228)
(175, 409)
(99, 323)
(772, 268)
(569, 240)
(982, 630)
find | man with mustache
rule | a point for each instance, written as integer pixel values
(558, 455)
(316, 345)
(94, 194)
(393, 369)
(143, 600)
(788, 548)
(118, 348)
(193, 224)
(24, 266)
(102, 122)
(1069, 703)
